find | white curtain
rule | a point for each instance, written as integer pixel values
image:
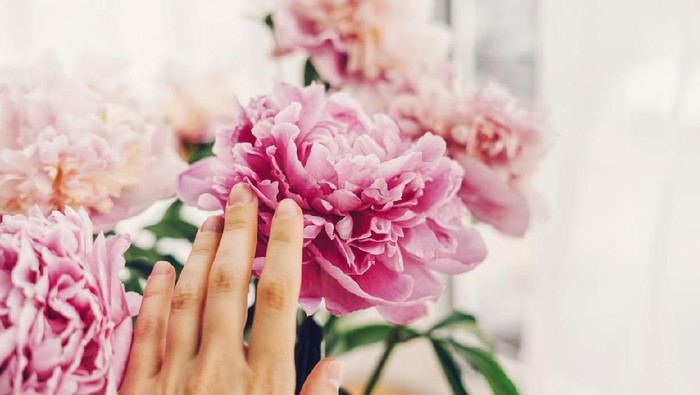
(146, 33)
(617, 298)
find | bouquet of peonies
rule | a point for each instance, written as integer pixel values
(391, 163)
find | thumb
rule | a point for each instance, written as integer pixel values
(325, 379)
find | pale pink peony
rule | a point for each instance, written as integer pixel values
(196, 104)
(381, 213)
(497, 143)
(65, 319)
(63, 144)
(351, 40)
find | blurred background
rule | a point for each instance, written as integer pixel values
(602, 297)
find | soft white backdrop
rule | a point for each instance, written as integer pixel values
(604, 293)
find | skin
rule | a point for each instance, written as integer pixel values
(188, 336)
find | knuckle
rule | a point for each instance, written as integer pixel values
(282, 235)
(236, 219)
(222, 279)
(147, 327)
(201, 251)
(199, 386)
(186, 297)
(275, 295)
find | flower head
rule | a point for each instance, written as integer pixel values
(381, 213)
(194, 105)
(63, 144)
(65, 320)
(362, 39)
(497, 142)
(499, 145)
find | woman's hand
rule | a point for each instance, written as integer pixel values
(188, 337)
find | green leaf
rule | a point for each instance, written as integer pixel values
(455, 319)
(484, 362)
(349, 339)
(341, 341)
(466, 321)
(449, 366)
(132, 284)
(173, 229)
(310, 73)
(197, 152)
(269, 22)
(343, 391)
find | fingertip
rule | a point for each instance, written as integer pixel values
(287, 208)
(334, 373)
(162, 268)
(213, 224)
(325, 378)
(240, 194)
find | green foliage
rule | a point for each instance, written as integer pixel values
(341, 339)
(458, 320)
(197, 151)
(484, 362)
(310, 73)
(269, 22)
(449, 367)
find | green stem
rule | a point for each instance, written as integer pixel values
(389, 345)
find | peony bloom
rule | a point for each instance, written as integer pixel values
(381, 213)
(497, 143)
(362, 40)
(65, 320)
(63, 144)
(195, 105)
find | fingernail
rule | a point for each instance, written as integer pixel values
(334, 373)
(240, 194)
(287, 209)
(161, 268)
(213, 224)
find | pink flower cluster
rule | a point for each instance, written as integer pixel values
(194, 104)
(362, 40)
(497, 143)
(381, 212)
(65, 320)
(64, 144)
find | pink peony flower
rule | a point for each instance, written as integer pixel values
(381, 213)
(65, 320)
(362, 39)
(63, 144)
(195, 105)
(497, 143)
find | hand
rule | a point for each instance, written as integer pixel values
(189, 339)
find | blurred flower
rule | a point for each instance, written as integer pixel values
(64, 144)
(65, 319)
(195, 104)
(381, 213)
(497, 143)
(362, 39)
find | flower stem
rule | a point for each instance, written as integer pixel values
(389, 345)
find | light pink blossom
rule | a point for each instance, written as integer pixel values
(350, 40)
(196, 104)
(63, 144)
(65, 319)
(498, 143)
(381, 213)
